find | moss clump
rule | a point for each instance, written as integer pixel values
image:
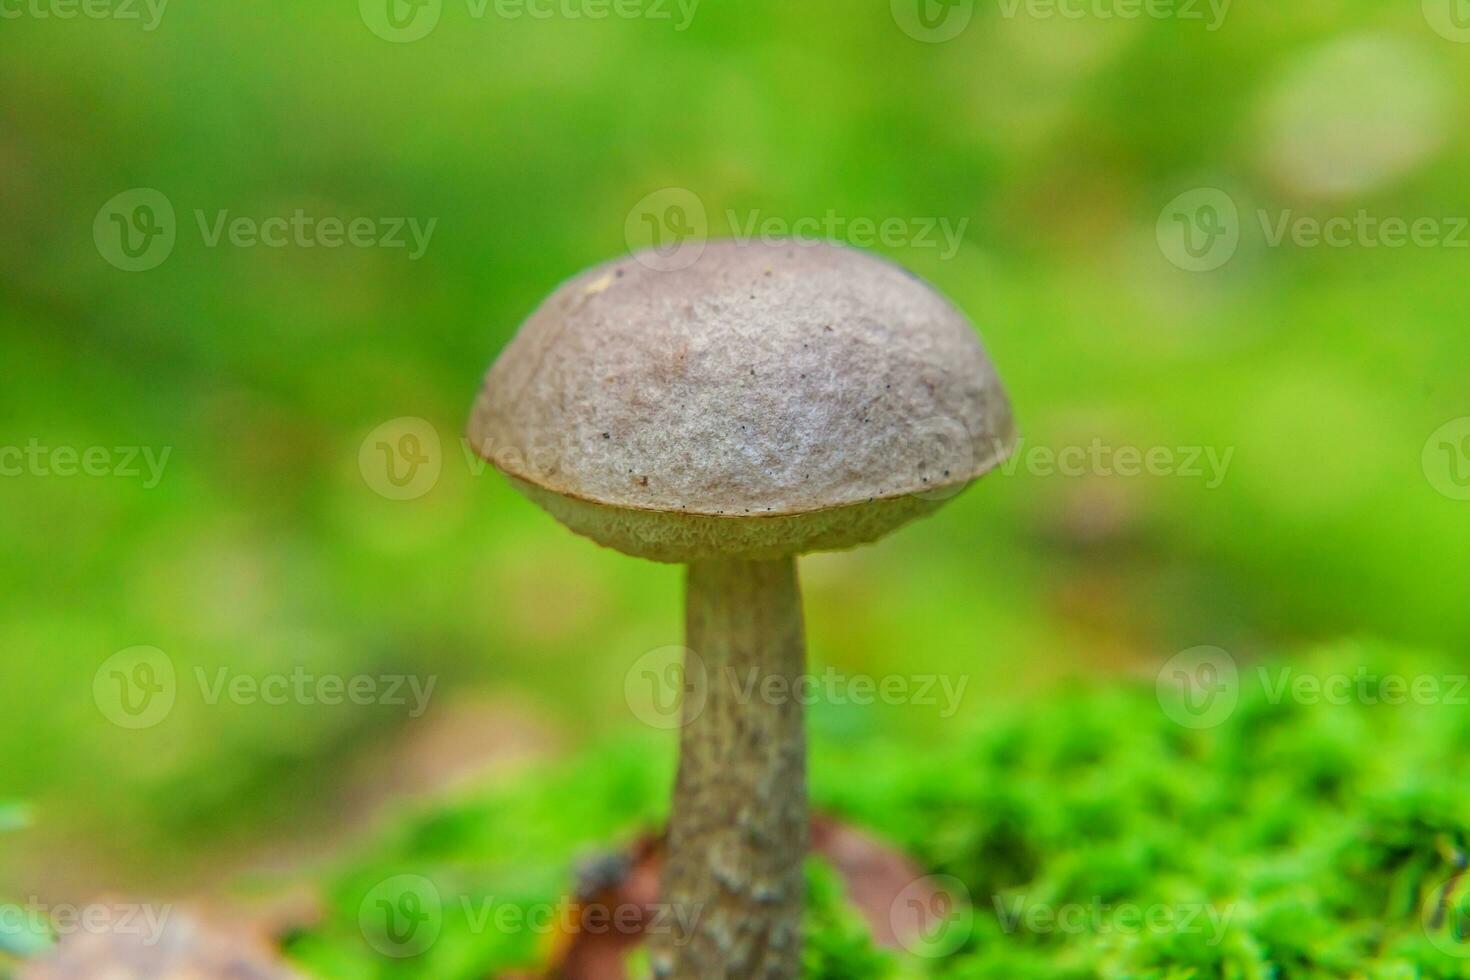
(1092, 836)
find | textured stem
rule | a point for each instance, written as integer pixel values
(738, 832)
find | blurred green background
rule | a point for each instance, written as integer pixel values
(1061, 141)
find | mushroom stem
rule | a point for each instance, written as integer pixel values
(738, 832)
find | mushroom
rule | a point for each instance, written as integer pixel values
(766, 401)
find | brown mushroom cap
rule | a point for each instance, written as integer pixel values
(766, 401)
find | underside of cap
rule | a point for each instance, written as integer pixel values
(682, 538)
(762, 385)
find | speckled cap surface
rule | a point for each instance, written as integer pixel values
(762, 382)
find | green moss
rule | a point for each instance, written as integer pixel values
(1095, 838)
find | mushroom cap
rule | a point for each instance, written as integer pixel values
(767, 400)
